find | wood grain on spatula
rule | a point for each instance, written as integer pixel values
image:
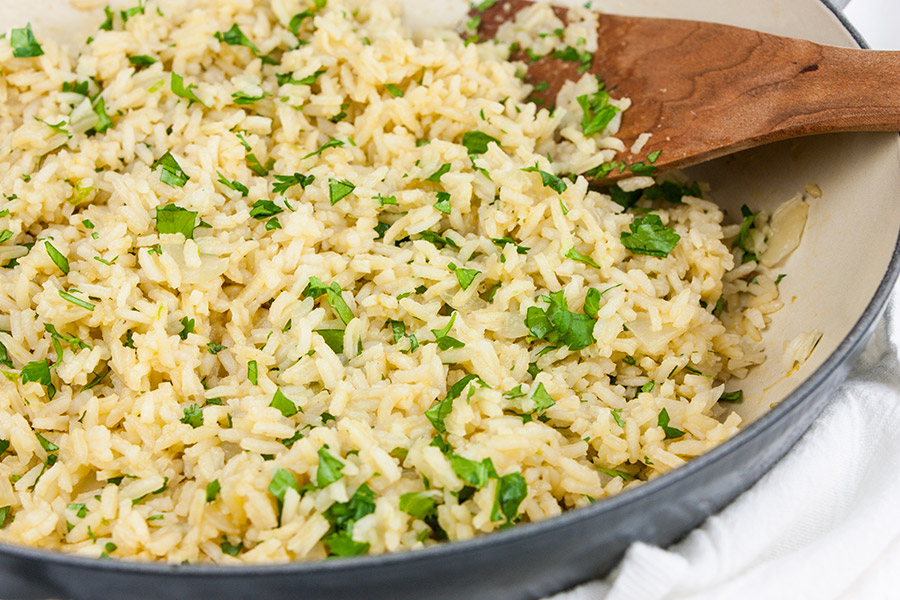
(705, 90)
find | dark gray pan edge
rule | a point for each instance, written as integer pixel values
(32, 573)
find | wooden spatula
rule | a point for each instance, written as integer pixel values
(705, 90)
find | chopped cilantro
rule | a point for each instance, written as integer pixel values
(263, 209)
(649, 236)
(418, 504)
(616, 473)
(556, 324)
(46, 444)
(174, 219)
(502, 242)
(281, 481)
(584, 258)
(443, 202)
(212, 490)
(142, 61)
(343, 516)
(617, 416)
(549, 180)
(193, 416)
(79, 508)
(437, 413)
(329, 469)
(253, 372)
(334, 338)
(465, 277)
(395, 91)
(187, 327)
(597, 112)
(743, 237)
(243, 98)
(231, 549)
(172, 174)
(735, 397)
(24, 44)
(76, 300)
(285, 182)
(234, 185)
(444, 341)
(511, 491)
(474, 473)
(329, 144)
(663, 421)
(338, 189)
(58, 259)
(284, 404)
(436, 176)
(184, 92)
(476, 142)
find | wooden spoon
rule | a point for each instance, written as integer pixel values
(704, 90)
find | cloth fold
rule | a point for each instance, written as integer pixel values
(824, 523)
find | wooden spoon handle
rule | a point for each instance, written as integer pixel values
(740, 88)
(704, 89)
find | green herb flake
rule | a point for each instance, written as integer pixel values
(185, 92)
(5, 235)
(334, 339)
(343, 516)
(465, 277)
(284, 404)
(46, 444)
(214, 348)
(329, 469)
(243, 98)
(476, 142)
(583, 258)
(474, 473)
(556, 324)
(193, 416)
(617, 416)
(436, 176)
(172, 174)
(649, 236)
(58, 259)
(286, 182)
(419, 505)
(329, 144)
(338, 189)
(231, 549)
(735, 397)
(234, 185)
(24, 44)
(187, 327)
(253, 372)
(174, 219)
(142, 61)
(79, 509)
(263, 209)
(511, 491)
(616, 473)
(443, 202)
(597, 112)
(437, 413)
(395, 91)
(76, 300)
(749, 217)
(557, 184)
(444, 341)
(663, 422)
(212, 490)
(281, 481)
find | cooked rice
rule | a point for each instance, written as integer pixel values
(134, 477)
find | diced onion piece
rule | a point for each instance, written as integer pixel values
(786, 226)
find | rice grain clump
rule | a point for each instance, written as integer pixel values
(282, 282)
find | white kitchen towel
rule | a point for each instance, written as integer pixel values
(823, 524)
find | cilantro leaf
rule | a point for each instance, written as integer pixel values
(443, 202)
(24, 44)
(284, 404)
(557, 324)
(616, 473)
(663, 421)
(338, 304)
(263, 209)
(39, 371)
(474, 473)
(174, 219)
(542, 399)
(76, 300)
(749, 217)
(437, 413)
(502, 242)
(617, 416)
(236, 37)
(58, 259)
(141, 61)
(343, 516)
(584, 258)
(465, 277)
(511, 491)
(338, 189)
(592, 300)
(436, 176)
(212, 490)
(187, 326)
(597, 112)
(735, 397)
(444, 341)
(649, 236)
(243, 98)
(395, 91)
(234, 185)
(329, 144)
(549, 180)
(193, 416)
(418, 504)
(214, 348)
(185, 92)
(288, 78)
(286, 182)
(281, 481)
(329, 469)
(476, 142)
(172, 174)
(231, 549)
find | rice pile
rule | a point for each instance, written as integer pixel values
(308, 287)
